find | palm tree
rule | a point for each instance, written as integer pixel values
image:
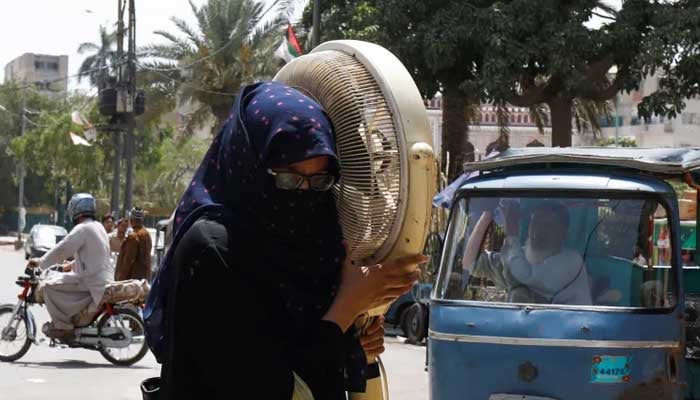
(229, 48)
(98, 66)
(588, 113)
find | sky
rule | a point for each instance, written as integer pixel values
(59, 27)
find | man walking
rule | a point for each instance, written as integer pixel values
(117, 237)
(134, 261)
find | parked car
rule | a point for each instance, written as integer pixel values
(410, 314)
(156, 245)
(43, 238)
(161, 242)
(411, 311)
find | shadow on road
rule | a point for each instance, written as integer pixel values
(73, 364)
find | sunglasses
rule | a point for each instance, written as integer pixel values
(294, 181)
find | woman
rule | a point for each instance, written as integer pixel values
(257, 264)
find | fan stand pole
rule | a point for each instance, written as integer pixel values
(377, 388)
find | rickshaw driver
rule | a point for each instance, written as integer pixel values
(542, 270)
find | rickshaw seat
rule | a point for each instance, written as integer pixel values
(609, 274)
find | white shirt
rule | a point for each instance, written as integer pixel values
(88, 244)
(561, 278)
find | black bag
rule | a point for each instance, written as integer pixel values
(150, 388)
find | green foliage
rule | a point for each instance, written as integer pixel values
(619, 142)
(402, 26)
(343, 19)
(11, 96)
(673, 48)
(529, 53)
(164, 183)
(99, 66)
(227, 49)
(48, 151)
(587, 114)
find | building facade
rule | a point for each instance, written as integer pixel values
(523, 130)
(682, 131)
(48, 73)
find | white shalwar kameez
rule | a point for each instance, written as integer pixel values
(67, 294)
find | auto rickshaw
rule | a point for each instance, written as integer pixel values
(550, 284)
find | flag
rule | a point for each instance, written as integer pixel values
(289, 49)
(78, 140)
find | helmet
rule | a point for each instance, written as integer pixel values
(81, 205)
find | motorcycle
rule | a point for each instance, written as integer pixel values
(116, 330)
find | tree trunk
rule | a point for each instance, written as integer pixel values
(221, 117)
(561, 114)
(455, 135)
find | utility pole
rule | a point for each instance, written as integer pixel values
(21, 212)
(316, 37)
(116, 133)
(122, 103)
(131, 84)
(617, 123)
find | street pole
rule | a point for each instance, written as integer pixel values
(316, 37)
(616, 123)
(21, 212)
(116, 178)
(116, 120)
(131, 56)
(129, 155)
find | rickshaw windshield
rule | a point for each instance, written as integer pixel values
(581, 251)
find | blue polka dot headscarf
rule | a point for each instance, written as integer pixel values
(290, 241)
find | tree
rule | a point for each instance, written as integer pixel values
(550, 52)
(531, 54)
(164, 182)
(99, 66)
(341, 19)
(48, 149)
(677, 37)
(401, 26)
(228, 48)
(12, 96)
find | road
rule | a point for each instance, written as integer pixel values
(76, 374)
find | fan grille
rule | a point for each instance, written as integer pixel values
(368, 194)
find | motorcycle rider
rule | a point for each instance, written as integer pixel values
(83, 283)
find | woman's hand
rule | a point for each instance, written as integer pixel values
(364, 288)
(372, 340)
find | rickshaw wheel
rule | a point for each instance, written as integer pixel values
(415, 324)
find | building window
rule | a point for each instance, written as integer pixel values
(687, 118)
(520, 119)
(46, 65)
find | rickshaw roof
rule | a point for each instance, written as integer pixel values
(664, 161)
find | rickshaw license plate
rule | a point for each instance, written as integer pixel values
(610, 369)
